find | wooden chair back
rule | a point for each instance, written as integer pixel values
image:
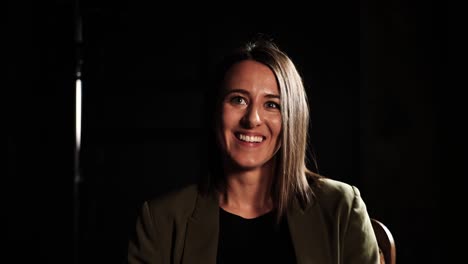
(386, 242)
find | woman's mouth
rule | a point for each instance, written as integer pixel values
(250, 138)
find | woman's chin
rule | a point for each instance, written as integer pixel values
(246, 165)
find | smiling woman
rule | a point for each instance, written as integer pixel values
(251, 120)
(260, 203)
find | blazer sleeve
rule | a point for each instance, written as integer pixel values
(143, 245)
(360, 243)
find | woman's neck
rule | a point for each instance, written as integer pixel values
(248, 192)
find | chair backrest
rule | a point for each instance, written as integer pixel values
(385, 241)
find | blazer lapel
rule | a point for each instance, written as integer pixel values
(201, 241)
(308, 234)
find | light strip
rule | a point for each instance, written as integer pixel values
(78, 115)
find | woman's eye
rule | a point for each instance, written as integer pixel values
(272, 105)
(238, 100)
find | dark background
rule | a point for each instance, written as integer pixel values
(371, 72)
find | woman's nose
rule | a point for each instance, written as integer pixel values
(252, 117)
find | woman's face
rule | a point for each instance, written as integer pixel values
(251, 116)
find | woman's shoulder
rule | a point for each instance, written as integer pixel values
(333, 191)
(176, 201)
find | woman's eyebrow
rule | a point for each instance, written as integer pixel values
(245, 92)
(242, 91)
(272, 96)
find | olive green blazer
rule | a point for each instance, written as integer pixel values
(182, 227)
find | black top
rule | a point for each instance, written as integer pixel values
(257, 240)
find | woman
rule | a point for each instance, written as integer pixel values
(260, 203)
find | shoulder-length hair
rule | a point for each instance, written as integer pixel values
(293, 179)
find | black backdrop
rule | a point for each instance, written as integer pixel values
(370, 71)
